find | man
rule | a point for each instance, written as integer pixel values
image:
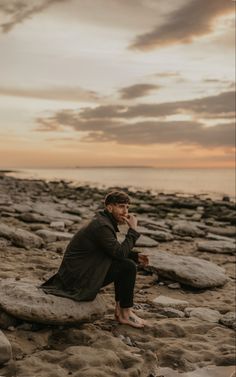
(94, 258)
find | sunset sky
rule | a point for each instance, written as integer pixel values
(117, 83)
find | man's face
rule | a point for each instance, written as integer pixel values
(119, 211)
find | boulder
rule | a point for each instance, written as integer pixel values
(187, 228)
(191, 271)
(20, 237)
(30, 217)
(145, 241)
(229, 320)
(164, 301)
(5, 349)
(222, 247)
(24, 300)
(209, 371)
(204, 314)
(52, 236)
(157, 235)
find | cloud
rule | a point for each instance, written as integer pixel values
(194, 19)
(137, 90)
(120, 123)
(20, 10)
(221, 105)
(59, 93)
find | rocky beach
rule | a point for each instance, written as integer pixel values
(187, 293)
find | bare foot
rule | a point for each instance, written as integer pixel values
(131, 321)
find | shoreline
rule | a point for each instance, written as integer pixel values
(37, 219)
(106, 186)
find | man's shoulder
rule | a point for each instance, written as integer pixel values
(101, 220)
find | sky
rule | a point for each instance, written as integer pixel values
(117, 83)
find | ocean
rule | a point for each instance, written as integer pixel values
(210, 182)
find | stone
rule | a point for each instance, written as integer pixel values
(209, 371)
(59, 225)
(157, 235)
(30, 217)
(5, 349)
(191, 271)
(204, 314)
(52, 236)
(187, 228)
(174, 286)
(24, 300)
(164, 301)
(221, 247)
(20, 237)
(6, 320)
(229, 320)
(145, 241)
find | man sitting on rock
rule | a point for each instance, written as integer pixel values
(94, 258)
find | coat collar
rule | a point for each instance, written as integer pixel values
(111, 218)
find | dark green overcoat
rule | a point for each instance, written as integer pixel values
(88, 257)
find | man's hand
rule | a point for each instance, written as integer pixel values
(132, 221)
(143, 260)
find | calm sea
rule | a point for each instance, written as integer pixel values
(212, 182)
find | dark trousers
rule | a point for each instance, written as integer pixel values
(123, 274)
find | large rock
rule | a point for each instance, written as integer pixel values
(191, 271)
(52, 236)
(209, 371)
(20, 237)
(5, 349)
(157, 235)
(164, 301)
(24, 300)
(187, 228)
(222, 247)
(205, 314)
(229, 320)
(145, 241)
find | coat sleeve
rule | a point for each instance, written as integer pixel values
(108, 243)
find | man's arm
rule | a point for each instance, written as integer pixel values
(108, 243)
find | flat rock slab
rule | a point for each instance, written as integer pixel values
(20, 237)
(209, 371)
(219, 247)
(164, 301)
(5, 349)
(205, 314)
(145, 241)
(52, 235)
(191, 271)
(187, 228)
(229, 320)
(22, 299)
(157, 235)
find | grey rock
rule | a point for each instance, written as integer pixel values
(20, 237)
(194, 272)
(59, 225)
(204, 314)
(30, 217)
(52, 236)
(5, 349)
(164, 301)
(187, 228)
(145, 241)
(158, 235)
(6, 320)
(24, 300)
(174, 286)
(209, 371)
(229, 320)
(222, 247)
